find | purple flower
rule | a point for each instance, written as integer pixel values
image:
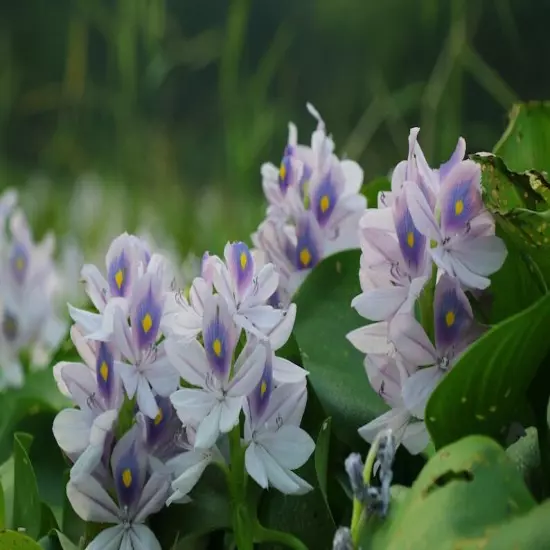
(138, 495)
(464, 246)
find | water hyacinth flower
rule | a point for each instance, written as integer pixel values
(95, 387)
(138, 495)
(27, 299)
(215, 404)
(276, 443)
(455, 330)
(127, 260)
(314, 206)
(148, 367)
(464, 243)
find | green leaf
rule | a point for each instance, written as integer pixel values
(373, 188)
(55, 540)
(38, 395)
(47, 520)
(321, 460)
(209, 511)
(484, 389)
(335, 366)
(26, 502)
(11, 540)
(305, 516)
(525, 144)
(463, 493)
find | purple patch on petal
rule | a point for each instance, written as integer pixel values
(146, 320)
(158, 427)
(460, 206)
(118, 276)
(242, 265)
(105, 371)
(324, 200)
(19, 262)
(452, 315)
(411, 242)
(307, 253)
(285, 173)
(128, 479)
(218, 346)
(259, 398)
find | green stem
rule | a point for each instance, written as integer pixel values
(270, 535)
(243, 527)
(359, 514)
(426, 303)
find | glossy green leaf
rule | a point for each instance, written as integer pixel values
(525, 144)
(11, 540)
(322, 449)
(336, 368)
(48, 522)
(55, 540)
(27, 508)
(482, 392)
(461, 496)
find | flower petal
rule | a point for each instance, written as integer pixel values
(189, 358)
(411, 341)
(71, 429)
(91, 502)
(254, 466)
(153, 497)
(248, 376)
(208, 430)
(111, 538)
(418, 388)
(290, 446)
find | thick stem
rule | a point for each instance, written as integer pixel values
(359, 514)
(243, 527)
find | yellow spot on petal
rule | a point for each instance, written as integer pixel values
(119, 278)
(450, 318)
(324, 203)
(127, 478)
(459, 207)
(243, 260)
(104, 371)
(20, 263)
(217, 347)
(159, 417)
(410, 239)
(147, 323)
(263, 388)
(305, 257)
(282, 171)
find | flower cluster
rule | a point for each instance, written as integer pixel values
(431, 230)
(314, 208)
(29, 287)
(164, 376)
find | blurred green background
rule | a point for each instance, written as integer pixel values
(171, 106)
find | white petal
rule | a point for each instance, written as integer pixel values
(280, 334)
(153, 496)
(208, 430)
(286, 372)
(189, 358)
(373, 338)
(71, 429)
(280, 478)
(380, 304)
(102, 425)
(255, 467)
(129, 376)
(230, 411)
(145, 398)
(109, 539)
(421, 212)
(418, 387)
(87, 462)
(164, 378)
(96, 285)
(266, 284)
(192, 405)
(89, 322)
(411, 340)
(249, 375)
(91, 502)
(290, 446)
(395, 419)
(263, 317)
(122, 335)
(142, 538)
(190, 476)
(416, 437)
